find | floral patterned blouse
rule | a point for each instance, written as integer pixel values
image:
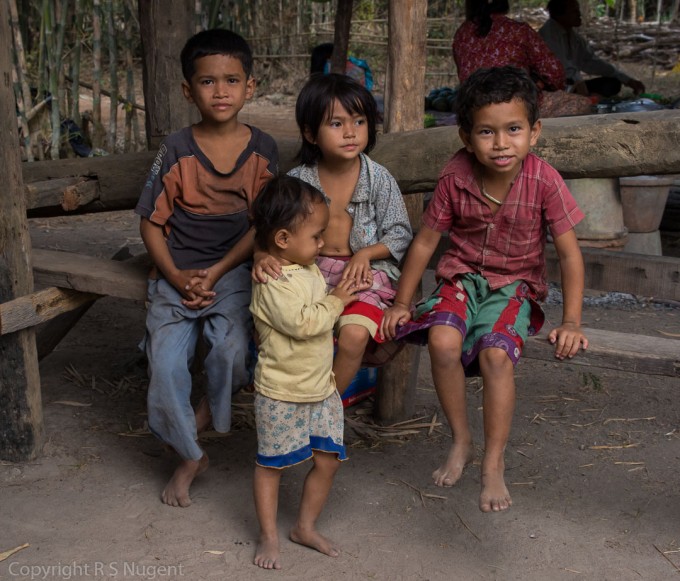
(508, 43)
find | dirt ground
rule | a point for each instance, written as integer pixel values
(592, 466)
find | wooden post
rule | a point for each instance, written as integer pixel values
(21, 421)
(404, 112)
(406, 54)
(165, 26)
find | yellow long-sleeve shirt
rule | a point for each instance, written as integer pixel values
(294, 318)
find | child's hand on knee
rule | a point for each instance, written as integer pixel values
(394, 317)
(568, 339)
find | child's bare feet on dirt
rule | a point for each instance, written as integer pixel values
(267, 554)
(314, 540)
(176, 492)
(460, 455)
(494, 496)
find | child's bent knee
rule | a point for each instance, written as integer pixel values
(445, 343)
(352, 340)
(353, 333)
(495, 360)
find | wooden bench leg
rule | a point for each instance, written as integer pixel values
(395, 394)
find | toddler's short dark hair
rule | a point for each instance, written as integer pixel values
(283, 203)
(495, 85)
(314, 106)
(215, 41)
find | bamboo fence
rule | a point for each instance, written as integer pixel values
(80, 60)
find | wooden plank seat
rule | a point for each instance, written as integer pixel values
(72, 279)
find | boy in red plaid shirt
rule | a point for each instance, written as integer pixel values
(496, 201)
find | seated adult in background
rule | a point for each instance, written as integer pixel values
(578, 56)
(356, 68)
(488, 38)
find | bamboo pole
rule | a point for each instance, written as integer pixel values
(132, 135)
(213, 13)
(59, 77)
(21, 111)
(53, 58)
(96, 74)
(75, 62)
(198, 24)
(42, 53)
(675, 10)
(23, 91)
(41, 79)
(113, 74)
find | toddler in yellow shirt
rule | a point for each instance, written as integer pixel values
(298, 411)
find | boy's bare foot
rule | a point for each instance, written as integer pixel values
(460, 455)
(494, 496)
(267, 553)
(176, 492)
(313, 539)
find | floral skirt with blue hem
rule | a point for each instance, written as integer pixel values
(289, 433)
(501, 318)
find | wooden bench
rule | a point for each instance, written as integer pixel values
(73, 280)
(614, 145)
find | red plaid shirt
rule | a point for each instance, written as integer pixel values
(509, 245)
(508, 43)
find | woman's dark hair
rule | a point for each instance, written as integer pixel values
(495, 85)
(315, 105)
(557, 7)
(480, 11)
(283, 203)
(320, 54)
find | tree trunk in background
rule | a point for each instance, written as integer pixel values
(165, 26)
(343, 24)
(21, 422)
